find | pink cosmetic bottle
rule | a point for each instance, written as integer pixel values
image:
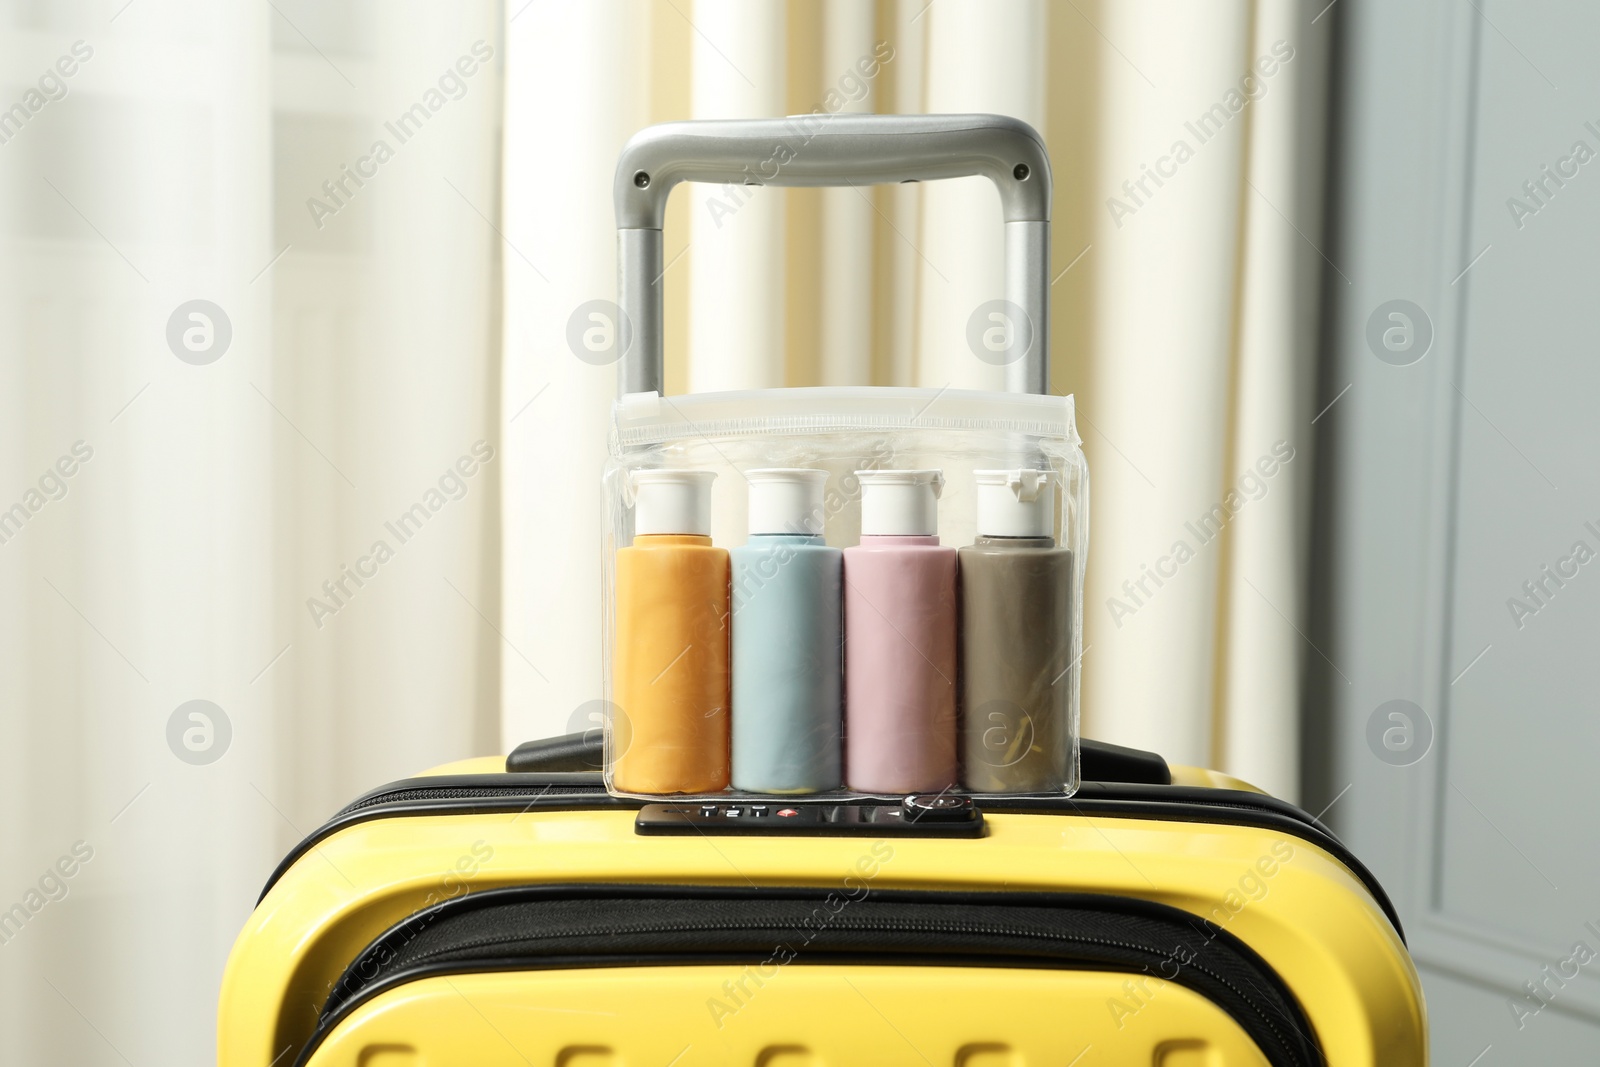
(900, 639)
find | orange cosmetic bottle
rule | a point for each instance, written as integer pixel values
(670, 674)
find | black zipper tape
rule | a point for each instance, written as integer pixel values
(528, 928)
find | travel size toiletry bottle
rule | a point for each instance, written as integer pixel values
(900, 639)
(786, 632)
(670, 661)
(1016, 639)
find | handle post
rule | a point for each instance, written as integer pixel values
(640, 296)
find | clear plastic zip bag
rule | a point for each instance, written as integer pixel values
(870, 591)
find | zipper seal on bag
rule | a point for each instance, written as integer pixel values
(642, 420)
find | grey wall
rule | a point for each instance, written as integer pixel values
(1450, 474)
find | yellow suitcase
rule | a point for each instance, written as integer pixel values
(509, 914)
(482, 916)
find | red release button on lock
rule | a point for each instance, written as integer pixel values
(787, 813)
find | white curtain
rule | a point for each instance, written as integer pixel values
(981, 57)
(556, 398)
(1201, 355)
(738, 70)
(212, 493)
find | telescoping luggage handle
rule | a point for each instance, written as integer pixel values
(841, 149)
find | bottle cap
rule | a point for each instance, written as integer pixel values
(1016, 503)
(671, 501)
(902, 503)
(786, 500)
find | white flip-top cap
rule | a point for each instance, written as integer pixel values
(1015, 503)
(671, 501)
(786, 500)
(900, 503)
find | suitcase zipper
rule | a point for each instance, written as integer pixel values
(549, 927)
(402, 796)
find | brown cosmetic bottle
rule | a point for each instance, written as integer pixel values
(1016, 647)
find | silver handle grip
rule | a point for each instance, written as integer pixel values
(840, 149)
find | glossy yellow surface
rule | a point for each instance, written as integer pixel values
(1295, 905)
(797, 1015)
(475, 765)
(1209, 779)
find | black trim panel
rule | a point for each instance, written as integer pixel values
(1098, 761)
(477, 794)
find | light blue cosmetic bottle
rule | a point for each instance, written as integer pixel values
(786, 640)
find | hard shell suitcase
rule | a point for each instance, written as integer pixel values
(482, 916)
(513, 912)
